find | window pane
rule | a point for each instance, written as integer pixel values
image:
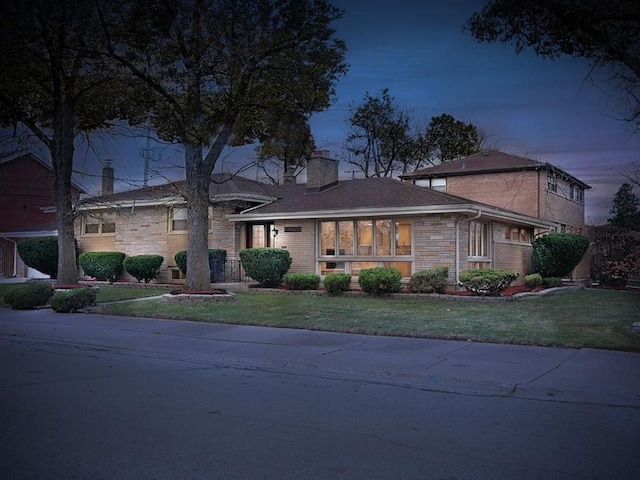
(364, 232)
(403, 237)
(91, 227)
(383, 237)
(345, 238)
(439, 184)
(357, 266)
(178, 219)
(478, 239)
(404, 267)
(327, 238)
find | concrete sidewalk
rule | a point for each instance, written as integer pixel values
(467, 368)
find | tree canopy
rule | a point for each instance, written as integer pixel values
(447, 139)
(625, 211)
(218, 70)
(606, 33)
(53, 84)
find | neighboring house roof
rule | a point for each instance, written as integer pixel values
(488, 162)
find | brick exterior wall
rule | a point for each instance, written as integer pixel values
(301, 245)
(516, 191)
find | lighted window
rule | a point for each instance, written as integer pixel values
(383, 237)
(517, 234)
(403, 237)
(364, 237)
(99, 223)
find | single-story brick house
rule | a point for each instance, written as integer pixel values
(328, 225)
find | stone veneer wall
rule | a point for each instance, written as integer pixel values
(301, 245)
(435, 243)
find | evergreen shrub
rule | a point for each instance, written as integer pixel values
(73, 300)
(487, 281)
(557, 254)
(143, 268)
(533, 280)
(302, 281)
(266, 265)
(380, 280)
(29, 296)
(103, 266)
(433, 280)
(40, 253)
(336, 283)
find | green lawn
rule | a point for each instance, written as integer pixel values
(576, 318)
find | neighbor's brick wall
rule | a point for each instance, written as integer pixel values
(516, 191)
(558, 206)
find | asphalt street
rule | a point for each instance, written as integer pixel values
(101, 397)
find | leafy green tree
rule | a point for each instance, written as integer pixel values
(447, 139)
(625, 212)
(379, 142)
(605, 33)
(53, 85)
(287, 141)
(218, 71)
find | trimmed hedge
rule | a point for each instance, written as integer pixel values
(29, 296)
(433, 280)
(40, 253)
(336, 283)
(74, 300)
(302, 281)
(143, 267)
(103, 266)
(557, 254)
(266, 265)
(487, 281)
(533, 280)
(551, 282)
(217, 259)
(379, 280)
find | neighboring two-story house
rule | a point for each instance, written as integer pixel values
(26, 201)
(515, 183)
(328, 225)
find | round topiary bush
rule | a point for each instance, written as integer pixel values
(379, 280)
(487, 281)
(557, 254)
(29, 296)
(40, 253)
(266, 265)
(336, 283)
(533, 280)
(103, 266)
(433, 280)
(143, 267)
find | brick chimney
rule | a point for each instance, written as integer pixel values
(107, 178)
(322, 171)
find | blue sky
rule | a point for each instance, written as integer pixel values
(545, 110)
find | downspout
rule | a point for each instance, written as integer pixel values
(478, 215)
(15, 256)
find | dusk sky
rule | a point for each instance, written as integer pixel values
(550, 111)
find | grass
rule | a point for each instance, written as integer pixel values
(576, 318)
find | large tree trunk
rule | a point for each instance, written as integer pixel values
(62, 159)
(197, 196)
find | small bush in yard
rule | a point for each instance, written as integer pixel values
(143, 268)
(40, 253)
(74, 300)
(336, 283)
(533, 280)
(29, 296)
(103, 266)
(380, 280)
(487, 281)
(433, 280)
(302, 281)
(266, 265)
(551, 282)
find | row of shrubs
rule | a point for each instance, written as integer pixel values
(31, 295)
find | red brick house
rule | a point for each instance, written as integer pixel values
(26, 201)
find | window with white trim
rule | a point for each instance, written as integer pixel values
(177, 219)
